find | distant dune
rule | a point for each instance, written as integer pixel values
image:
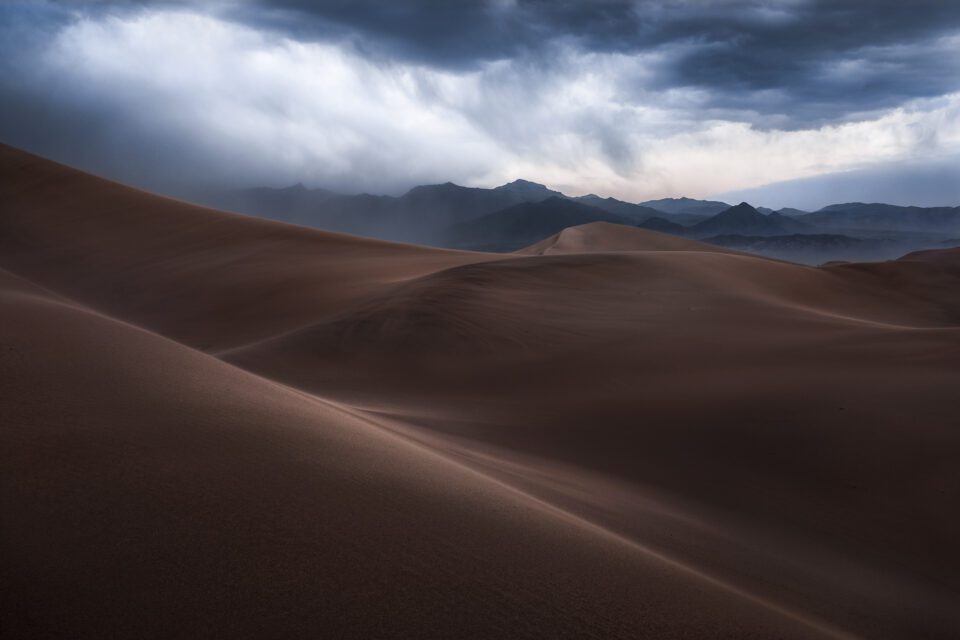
(604, 236)
(219, 426)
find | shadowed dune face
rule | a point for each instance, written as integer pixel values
(613, 433)
(518, 309)
(222, 503)
(781, 399)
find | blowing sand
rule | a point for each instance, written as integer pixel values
(215, 425)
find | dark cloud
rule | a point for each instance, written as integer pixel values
(804, 61)
(808, 61)
(828, 59)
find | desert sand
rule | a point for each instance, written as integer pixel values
(213, 425)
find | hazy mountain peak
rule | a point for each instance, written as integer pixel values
(425, 189)
(792, 212)
(663, 225)
(686, 205)
(741, 219)
(744, 210)
(842, 205)
(528, 190)
(520, 182)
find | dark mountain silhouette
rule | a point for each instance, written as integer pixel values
(790, 224)
(742, 219)
(450, 202)
(874, 216)
(628, 210)
(446, 214)
(528, 191)
(687, 205)
(422, 215)
(663, 226)
(523, 224)
(790, 211)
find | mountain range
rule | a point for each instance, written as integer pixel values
(527, 222)
(512, 215)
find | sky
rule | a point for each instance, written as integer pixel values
(791, 102)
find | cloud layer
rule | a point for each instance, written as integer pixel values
(636, 99)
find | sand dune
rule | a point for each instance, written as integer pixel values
(207, 278)
(150, 490)
(604, 236)
(758, 396)
(248, 428)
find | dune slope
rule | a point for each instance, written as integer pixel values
(207, 278)
(189, 498)
(614, 433)
(804, 408)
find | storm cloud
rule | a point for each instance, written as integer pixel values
(632, 99)
(801, 62)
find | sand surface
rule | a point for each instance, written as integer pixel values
(219, 426)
